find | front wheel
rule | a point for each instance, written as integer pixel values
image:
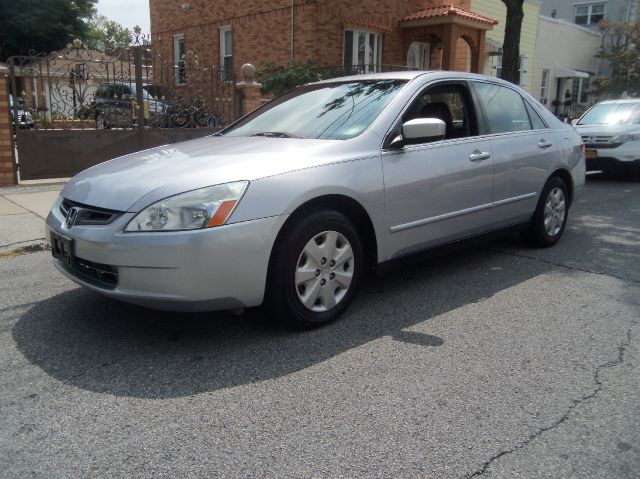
(316, 268)
(550, 217)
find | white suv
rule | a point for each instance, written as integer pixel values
(611, 133)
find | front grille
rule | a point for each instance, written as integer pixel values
(103, 275)
(89, 215)
(599, 142)
(595, 139)
(602, 146)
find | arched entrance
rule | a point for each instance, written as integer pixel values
(463, 55)
(462, 33)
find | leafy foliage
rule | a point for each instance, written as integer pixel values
(277, 79)
(41, 25)
(621, 47)
(372, 90)
(106, 35)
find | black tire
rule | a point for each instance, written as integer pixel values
(180, 119)
(546, 226)
(284, 298)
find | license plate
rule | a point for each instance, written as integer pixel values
(62, 248)
(591, 154)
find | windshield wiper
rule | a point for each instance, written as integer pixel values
(273, 134)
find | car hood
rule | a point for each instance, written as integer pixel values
(607, 130)
(132, 182)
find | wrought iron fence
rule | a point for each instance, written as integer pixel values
(78, 88)
(572, 111)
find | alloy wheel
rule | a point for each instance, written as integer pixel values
(554, 212)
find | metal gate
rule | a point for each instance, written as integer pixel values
(75, 108)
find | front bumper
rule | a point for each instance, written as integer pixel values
(202, 270)
(625, 155)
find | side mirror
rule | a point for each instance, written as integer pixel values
(574, 122)
(424, 128)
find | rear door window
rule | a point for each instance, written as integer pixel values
(504, 108)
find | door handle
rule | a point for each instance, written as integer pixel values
(544, 144)
(479, 156)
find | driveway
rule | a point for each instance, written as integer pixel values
(502, 361)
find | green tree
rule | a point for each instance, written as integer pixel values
(621, 48)
(41, 25)
(106, 35)
(511, 42)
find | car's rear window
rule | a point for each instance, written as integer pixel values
(340, 110)
(611, 114)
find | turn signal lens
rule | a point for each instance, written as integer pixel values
(222, 213)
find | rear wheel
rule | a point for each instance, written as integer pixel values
(316, 268)
(550, 217)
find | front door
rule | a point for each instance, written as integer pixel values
(438, 191)
(418, 56)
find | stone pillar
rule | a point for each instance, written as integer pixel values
(8, 173)
(477, 59)
(449, 46)
(249, 89)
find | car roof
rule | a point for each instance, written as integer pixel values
(413, 74)
(621, 101)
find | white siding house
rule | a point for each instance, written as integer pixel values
(565, 64)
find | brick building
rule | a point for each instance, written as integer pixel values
(226, 34)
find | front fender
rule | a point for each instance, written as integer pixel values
(360, 180)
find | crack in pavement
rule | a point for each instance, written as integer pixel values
(576, 402)
(573, 268)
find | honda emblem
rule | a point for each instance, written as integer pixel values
(72, 215)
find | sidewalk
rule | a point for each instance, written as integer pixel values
(23, 210)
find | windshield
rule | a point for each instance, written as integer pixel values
(332, 110)
(611, 114)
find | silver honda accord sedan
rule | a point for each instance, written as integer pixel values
(294, 203)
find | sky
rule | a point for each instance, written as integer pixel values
(126, 12)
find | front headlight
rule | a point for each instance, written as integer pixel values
(626, 138)
(203, 208)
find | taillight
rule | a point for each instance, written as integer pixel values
(582, 147)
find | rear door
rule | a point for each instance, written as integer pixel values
(438, 191)
(523, 151)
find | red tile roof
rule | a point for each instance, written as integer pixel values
(355, 22)
(449, 11)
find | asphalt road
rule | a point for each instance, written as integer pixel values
(503, 361)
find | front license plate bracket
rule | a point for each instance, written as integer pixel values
(62, 248)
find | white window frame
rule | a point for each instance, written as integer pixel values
(544, 86)
(377, 48)
(177, 58)
(223, 30)
(523, 71)
(589, 7)
(496, 64)
(579, 91)
(422, 53)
